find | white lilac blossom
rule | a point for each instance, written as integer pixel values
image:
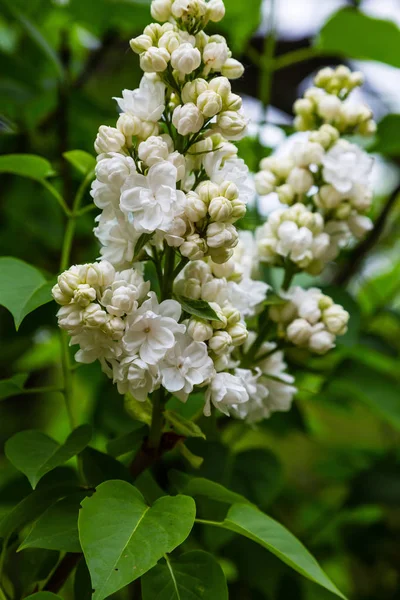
(171, 187)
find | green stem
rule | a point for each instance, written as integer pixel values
(55, 193)
(171, 572)
(156, 419)
(68, 387)
(213, 523)
(300, 55)
(181, 265)
(266, 323)
(168, 273)
(42, 390)
(290, 272)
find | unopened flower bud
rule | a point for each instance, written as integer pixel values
(69, 281)
(336, 319)
(215, 10)
(109, 139)
(299, 332)
(238, 209)
(141, 43)
(115, 327)
(94, 315)
(170, 40)
(153, 150)
(232, 315)
(329, 197)
(207, 190)
(192, 90)
(195, 207)
(199, 330)
(221, 86)
(220, 342)
(233, 102)
(220, 255)
(186, 59)
(359, 225)
(238, 334)
(194, 247)
(229, 190)
(189, 287)
(285, 193)
(232, 124)
(265, 182)
(321, 342)
(161, 10)
(215, 54)
(187, 119)
(301, 180)
(154, 60)
(210, 103)
(329, 107)
(220, 209)
(221, 235)
(232, 69)
(303, 107)
(128, 125)
(84, 294)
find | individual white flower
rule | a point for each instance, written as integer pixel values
(114, 169)
(153, 200)
(151, 329)
(154, 60)
(220, 342)
(307, 153)
(84, 294)
(153, 150)
(98, 274)
(232, 69)
(247, 295)
(232, 124)
(186, 59)
(95, 344)
(147, 102)
(215, 10)
(225, 391)
(161, 10)
(185, 365)
(336, 319)
(70, 318)
(321, 341)
(187, 119)
(132, 375)
(278, 382)
(109, 139)
(117, 238)
(199, 329)
(221, 235)
(299, 332)
(192, 90)
(255, 410)
(346, 165)
(215, 53)
(210, 103)
(265, 182)
(224, 165)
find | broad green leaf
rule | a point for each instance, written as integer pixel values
(353, 34)
(82, 583)
(128, 442)
(200, 486)
(122, 538)
(57, 527)
(13, 386)
(34, 453)
(81, 160)
(98, 467)
(182, 426)
(241, 20)
(387, 139)
(26, 165)
(44, 596)
(31, 507)
(195, 575)
(22, 288)
(257, 474)
(198, 308)
(249, 521)
(142, 241)
(379, 391)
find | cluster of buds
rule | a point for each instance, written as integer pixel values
(327, 103)
(328, 175)
(191, 15)
(310, 319)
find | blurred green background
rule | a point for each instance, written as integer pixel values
(330, 469)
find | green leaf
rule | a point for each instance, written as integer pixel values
(198, 308)
(57, 527)
(195, 575)
(13, 386)
(31, 507)
(182, 426)
(200, 486)
(34, 453)
(142, 241)
(98, 467)
(26, 165)
(247, 520)
(242, 19)
(353, 34)
(387, 140)
(136, 535)
(139, 411)
(44, 596)
(82, 583)
(128, 442)
(22, 288)
(257, 474)
(81, 160)
(194, 461)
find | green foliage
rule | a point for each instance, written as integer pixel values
(22, 288)
(183, 426)
(13, 386)
(351, 33)
(198, 308)
(35, 454)
(82, 161)
(240, 22)
(137, 535)
(193, 576)
(44, 596)
(26, 165)
(388, 136)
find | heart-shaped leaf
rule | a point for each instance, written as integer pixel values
(34, 453)
(13, 386)
(57, 527)
(122, 537)
(26, 165)
(195, 575)
(22, 288)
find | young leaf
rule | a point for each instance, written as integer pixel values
(57, 527)
(26, 165)
(199, 486)
(249, 521)
(183, 426)
(22, 288)
(31, 507)
(139, 411)
(44, 596)
(351, 33)
(136, 535)
(81, 160)
(195, 575)
(198, 308)
(128, 442)
(13, 386)
(35, 453)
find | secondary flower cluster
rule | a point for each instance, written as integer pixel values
(323, 177)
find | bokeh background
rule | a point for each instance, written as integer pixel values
(330, 469)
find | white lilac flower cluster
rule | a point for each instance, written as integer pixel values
(324, 178)
(310, 319)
